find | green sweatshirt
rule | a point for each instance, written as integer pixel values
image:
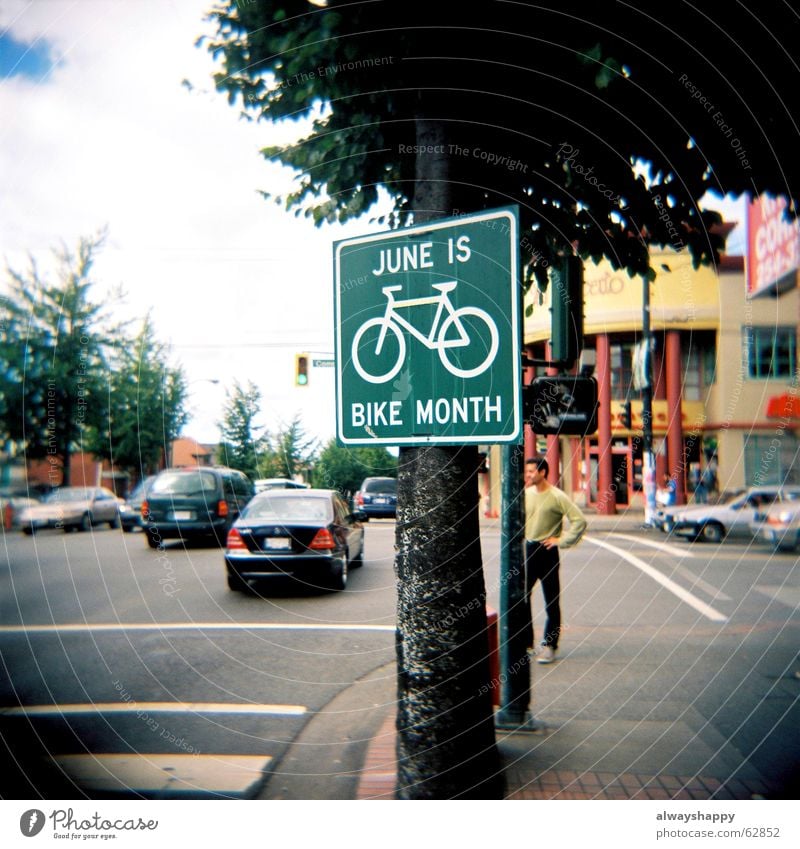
(544, 512)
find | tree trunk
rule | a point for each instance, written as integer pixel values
(446, 740)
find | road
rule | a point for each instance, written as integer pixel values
(132, 671)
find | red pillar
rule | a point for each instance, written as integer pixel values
(675, 451)
(606, 497)
(659, 394)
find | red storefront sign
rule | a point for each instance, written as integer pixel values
(773, 245)
(784, 407)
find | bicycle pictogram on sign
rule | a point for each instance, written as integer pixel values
(452, 330)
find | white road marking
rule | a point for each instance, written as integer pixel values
(696, 581)
(154, 707)
(684, 595)
(188, 626)
(229, 775)
(661, 546)
(790, 596)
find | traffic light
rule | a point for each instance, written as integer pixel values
(566, 312)
(301, 369)
(625, 415)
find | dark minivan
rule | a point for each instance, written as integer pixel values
(378, 497)
(195, 502)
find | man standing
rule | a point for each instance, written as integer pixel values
(546, 506)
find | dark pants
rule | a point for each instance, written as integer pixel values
(541, 564)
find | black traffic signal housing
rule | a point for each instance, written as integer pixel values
(565, 405)
(301, 369)
(625, 415)
(566, 311)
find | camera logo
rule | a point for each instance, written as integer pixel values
(31, 822)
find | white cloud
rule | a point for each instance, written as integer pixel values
(111, 137)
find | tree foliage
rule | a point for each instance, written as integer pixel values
(549, 106)
(241, 443)
(53, 353)
(344, 468)
(288, 452)
(71, 381)
(143, 406)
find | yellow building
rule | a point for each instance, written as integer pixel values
(725, 383)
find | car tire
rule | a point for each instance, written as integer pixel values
(337, 578)
(85, 523)
(28, 531)
(114, 523)
(153, 541)
(712, 532)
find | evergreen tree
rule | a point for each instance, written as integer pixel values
(238, 428)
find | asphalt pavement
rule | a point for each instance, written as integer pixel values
(579, 747)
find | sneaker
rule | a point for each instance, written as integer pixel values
(547, 654)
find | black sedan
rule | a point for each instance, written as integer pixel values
(307, 534)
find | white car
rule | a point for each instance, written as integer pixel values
(779, 525)
(714, 522)
(73, 508)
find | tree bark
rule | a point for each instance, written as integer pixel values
(446, 740)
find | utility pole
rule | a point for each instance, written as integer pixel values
(648, 457)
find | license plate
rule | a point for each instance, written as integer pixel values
(381, 500)
(277, 542)
(182, 515)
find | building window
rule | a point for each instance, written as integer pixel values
(621, 370)
(770, 459)
(770, 351)
(698, 361)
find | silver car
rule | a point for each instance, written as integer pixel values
(714, 522)
(73, 508)
(779, 525)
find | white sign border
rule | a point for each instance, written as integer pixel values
(516, 342)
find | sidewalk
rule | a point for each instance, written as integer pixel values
(592, 741)
(575, 755)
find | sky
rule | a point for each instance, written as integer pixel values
(99, 132)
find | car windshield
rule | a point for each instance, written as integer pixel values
(285, 509)
(142, 488)
(70, 493)
(384, 485)
(184, 483)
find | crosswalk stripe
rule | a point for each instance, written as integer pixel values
(191, 626)
(229, 775)
(154, 707)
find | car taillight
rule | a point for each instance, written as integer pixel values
(145, 509)
(235, 540)
(359, 498)
(222, 508)
(322, 540)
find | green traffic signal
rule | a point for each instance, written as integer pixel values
(301, 369)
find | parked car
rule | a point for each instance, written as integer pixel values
(377, 497)
(779, 525)
(265, 484)
(310, 535)
(194, 502)
(12, 505)
(134, 501)
(73, 508)
(714, 522)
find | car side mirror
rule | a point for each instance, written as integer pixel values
(359, 516)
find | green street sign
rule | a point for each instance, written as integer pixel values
(427, 333)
